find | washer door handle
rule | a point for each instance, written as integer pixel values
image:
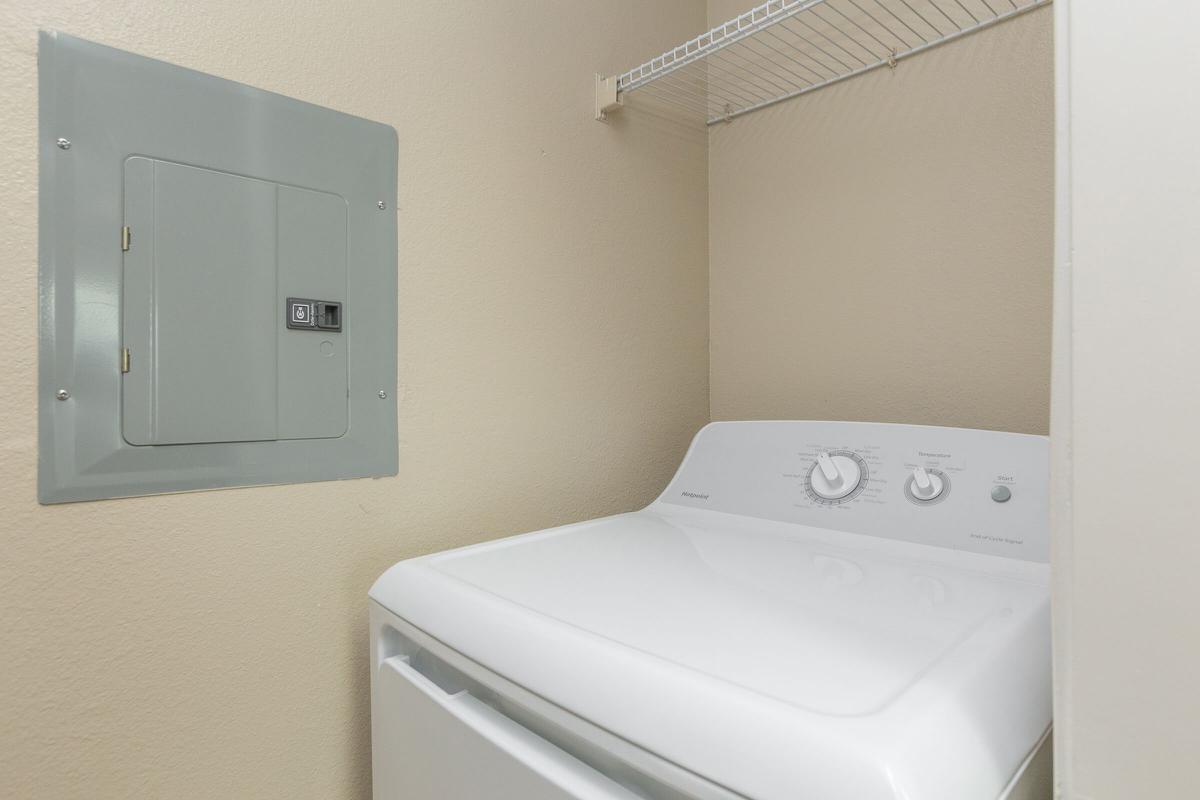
(561, 774)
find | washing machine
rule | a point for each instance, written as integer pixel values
(809, 611)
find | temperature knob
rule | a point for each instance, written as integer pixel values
(835, 475)
(926, 485)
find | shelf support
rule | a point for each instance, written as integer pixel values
(607, 98)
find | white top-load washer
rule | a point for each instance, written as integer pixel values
(810, 611)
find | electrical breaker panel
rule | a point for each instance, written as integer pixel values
(218, 274)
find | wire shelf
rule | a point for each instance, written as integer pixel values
(785, 48)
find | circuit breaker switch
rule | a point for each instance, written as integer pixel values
(307, 314)
(329, 316)
(313, 315)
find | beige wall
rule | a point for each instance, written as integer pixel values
(553, 366)
(881, 249)
(1126, 548)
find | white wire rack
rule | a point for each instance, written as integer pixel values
(786, 48)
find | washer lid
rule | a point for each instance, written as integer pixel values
(803, 617)
(761, 636)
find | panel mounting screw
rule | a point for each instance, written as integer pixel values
(64, 144)
(382, 394)
(382, 205)
(63, 394)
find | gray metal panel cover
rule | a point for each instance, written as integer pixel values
(247, 152)
(312, 263)
(211, 260)
(199, 302)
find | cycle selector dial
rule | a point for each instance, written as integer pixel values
(835, 476)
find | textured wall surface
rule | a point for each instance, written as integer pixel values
(881, 249)
(553, 366)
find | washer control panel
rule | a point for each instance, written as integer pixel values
(982, 491)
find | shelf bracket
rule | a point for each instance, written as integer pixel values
(607, 99)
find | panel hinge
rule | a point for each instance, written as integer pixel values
(124, 360)
(126, 235)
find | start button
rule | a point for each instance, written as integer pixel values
(1001, 494)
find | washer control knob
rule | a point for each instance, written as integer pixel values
(834, 477)
(926, 485)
